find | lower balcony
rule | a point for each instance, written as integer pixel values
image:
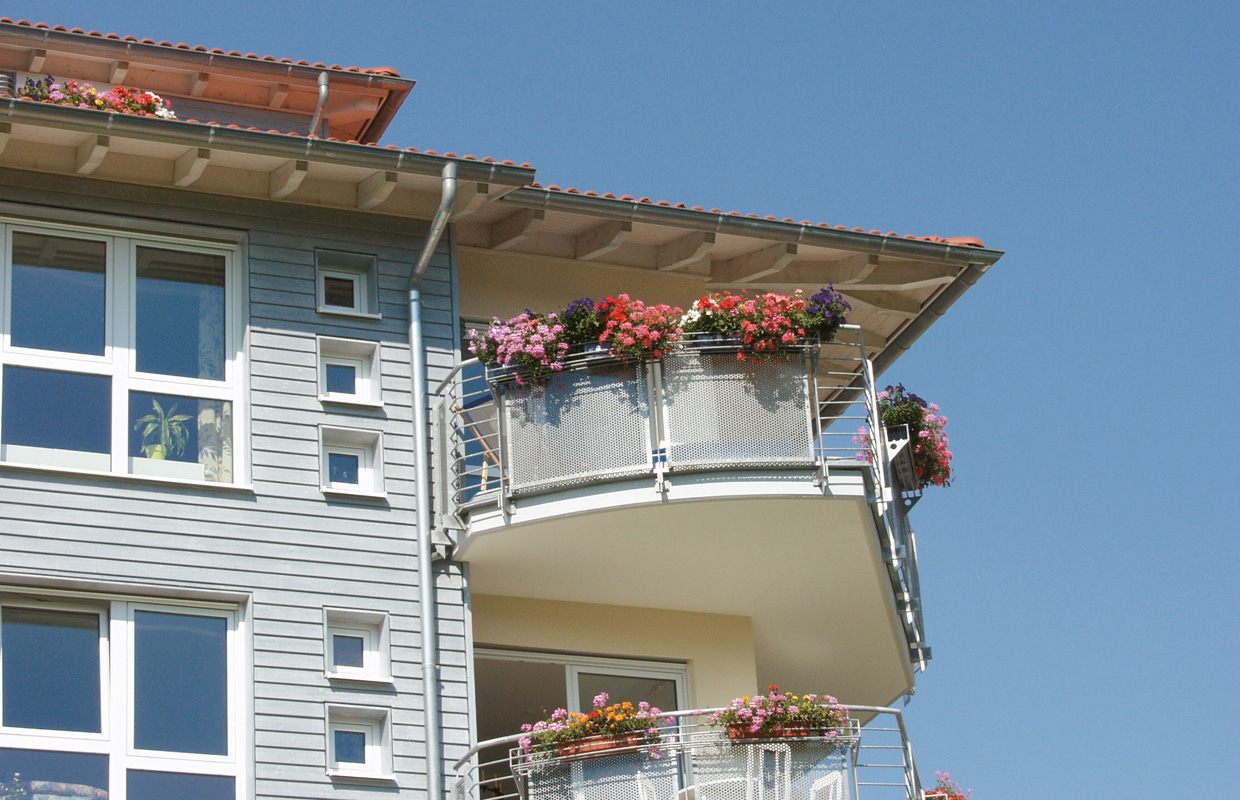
(693, 761)
(693, 485)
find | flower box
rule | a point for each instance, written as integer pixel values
(792, 730)
(596, 746)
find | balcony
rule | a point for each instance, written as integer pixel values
(695, 762)
(711, 485)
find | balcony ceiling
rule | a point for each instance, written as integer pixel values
(805, 568)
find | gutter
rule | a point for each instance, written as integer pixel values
(422, 478)
(771, 230)
(257, 142)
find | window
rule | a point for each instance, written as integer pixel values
(356, 647)
(359, 743)
(348, 283)
(351, 461)
(349, 372)
(138, 699)
(119, 354)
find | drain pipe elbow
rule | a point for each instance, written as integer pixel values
(324, 78)
(422, 482)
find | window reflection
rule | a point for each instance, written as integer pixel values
(56, 418)
(341, 379)
(342, 468)
(180, 683)
(179, 314)
(58, 294)
(81, 771)
(147, 785)
(50, 666)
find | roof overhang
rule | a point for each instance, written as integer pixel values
(234, 161)
(897, 285)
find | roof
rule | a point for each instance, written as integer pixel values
(965, 241)
(381, 71)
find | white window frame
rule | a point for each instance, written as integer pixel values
(117, 693)
(361, 269)
(119, 360)
(367, 445)
(575, 664)
(374, 628)
(375, 724)
(360, 354)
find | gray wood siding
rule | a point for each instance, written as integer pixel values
(291, 549)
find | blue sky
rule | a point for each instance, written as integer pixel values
(1080, 578)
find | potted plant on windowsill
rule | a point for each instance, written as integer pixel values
(567, 734)
(164, 438)
(777, 715)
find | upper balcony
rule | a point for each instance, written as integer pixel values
(696, 483)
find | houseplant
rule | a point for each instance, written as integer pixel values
(777, 714)
(926, 424)
(607, 727)
(163, 433)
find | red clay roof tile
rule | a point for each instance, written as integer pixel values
(382, 71)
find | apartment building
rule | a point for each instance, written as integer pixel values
(268, 531)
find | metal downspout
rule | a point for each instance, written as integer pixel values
(324, 78)
(422, 480)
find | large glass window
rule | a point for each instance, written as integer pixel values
(92, 689)
(179, 316)
(59, 293)
(120, 354)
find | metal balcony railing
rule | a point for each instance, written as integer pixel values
(695, 762)
(697, 409)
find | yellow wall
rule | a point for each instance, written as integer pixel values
(499, 284)
(718, 648)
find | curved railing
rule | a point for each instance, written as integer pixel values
(697, 409)
(693, 761)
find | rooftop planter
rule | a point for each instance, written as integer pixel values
(119, 99)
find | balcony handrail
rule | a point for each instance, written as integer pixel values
(910, 780)
(477, 438)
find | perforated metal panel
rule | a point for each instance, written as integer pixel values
(702, 766)
(776, 769)
(578, 426)
(643, 773)
(720, 412)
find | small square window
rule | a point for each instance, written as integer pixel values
(359, 743)
(356, 646)
(350, 745)
(341, 378)
(349, 372)
(348, 283)
(342, 467)
(341, 291)
(351, 461)
(348, 650)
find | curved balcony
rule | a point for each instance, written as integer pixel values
(693, 761)
(711, 484)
